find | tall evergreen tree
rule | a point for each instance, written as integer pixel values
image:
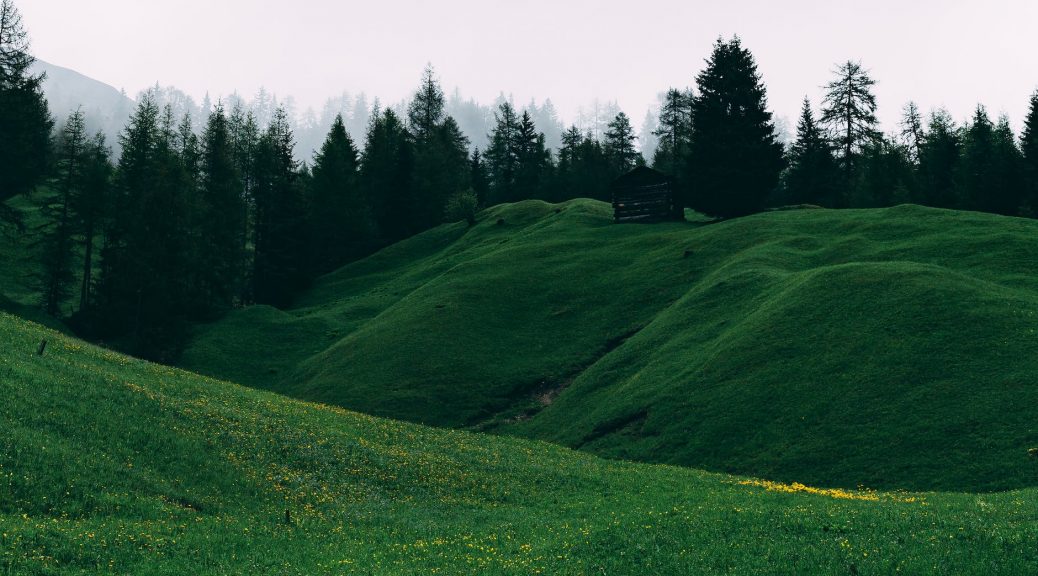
(849, 112)
(387, 174)
(976, 171)
(1007, 172)
(57, 277)
(939, 162)
(884, 176)
(734, 158)
(674, 132)
(25, 121)
(619, 146)
(426, 111)
(479, 177)
(222, 214)
(280, 228)
(812, 177)
(532, 160)
(340, 217)
(1029, 157)
(90, 207)
(912, 131)
(502, 156)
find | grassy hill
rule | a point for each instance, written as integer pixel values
(892, 348)
(112, 465)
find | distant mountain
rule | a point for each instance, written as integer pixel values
(105, 107)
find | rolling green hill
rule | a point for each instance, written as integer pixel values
(112, 465)
(891, 348)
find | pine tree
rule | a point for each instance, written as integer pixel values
(479, 177)
(812, 174)
(674, 132)
(25, 120)
(426, 111)
(619, 146)
(849, 112)
(340, 218)
(279, 231)
(532, 160)
(939, 162)
(222, 214)
(57, 277)
(734, 158)
(1007, 186)
(1029, 157)
(884, 177)
(912, 131)
(502, 157)
(90, 207)
(387, 174)
(976, 174)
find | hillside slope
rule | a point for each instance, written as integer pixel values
(891, 348)
(113, 465)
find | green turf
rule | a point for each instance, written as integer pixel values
(892, 348)
(113, 465)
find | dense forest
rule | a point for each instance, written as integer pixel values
(187, 223)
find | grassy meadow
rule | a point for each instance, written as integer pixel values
(109, 464)
(890, 348)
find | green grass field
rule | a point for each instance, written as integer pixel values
(892, 348)
(112, 465)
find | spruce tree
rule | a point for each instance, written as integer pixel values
(90, 207)
(387, 174)
(57, 277)
(619, 146)
(340, 218)
(976, 174)
(221, 217)
(939, 162)
(849, 112)
(25, 121)
(280, 228)
(674, 132)
(502, 157)
(734, 158)
(912, 131)
(532, 160)
(1029, 157)
(1007, 195)
(479, 177)
(812, 175)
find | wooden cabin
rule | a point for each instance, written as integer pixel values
(645, 195)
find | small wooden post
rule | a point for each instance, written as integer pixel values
(288, 517)
(41, 348)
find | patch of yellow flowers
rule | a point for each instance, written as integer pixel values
(837, 493)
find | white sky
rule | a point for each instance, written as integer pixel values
(938, 52)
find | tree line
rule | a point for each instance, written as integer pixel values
(186, 223)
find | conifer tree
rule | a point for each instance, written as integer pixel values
(90, 207)
(502, 156)
(25, 121)
(849, 112)
(221, 218)
(532, 160)
(912, 131)
(280, 228)
(812, 174)
(340, 218)
(938, 162)
(387, 174)
(1029, 157)
(57, 277)
(479, 177)
(619, 146)
(1007, 186)
(674, 132)
(734, 158)
(976, 170)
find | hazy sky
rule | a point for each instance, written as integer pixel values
(939, 52)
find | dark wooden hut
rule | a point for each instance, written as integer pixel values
(645, 195)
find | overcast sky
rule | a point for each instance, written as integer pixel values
(953, 53)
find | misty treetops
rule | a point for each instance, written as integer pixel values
(186, 224)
